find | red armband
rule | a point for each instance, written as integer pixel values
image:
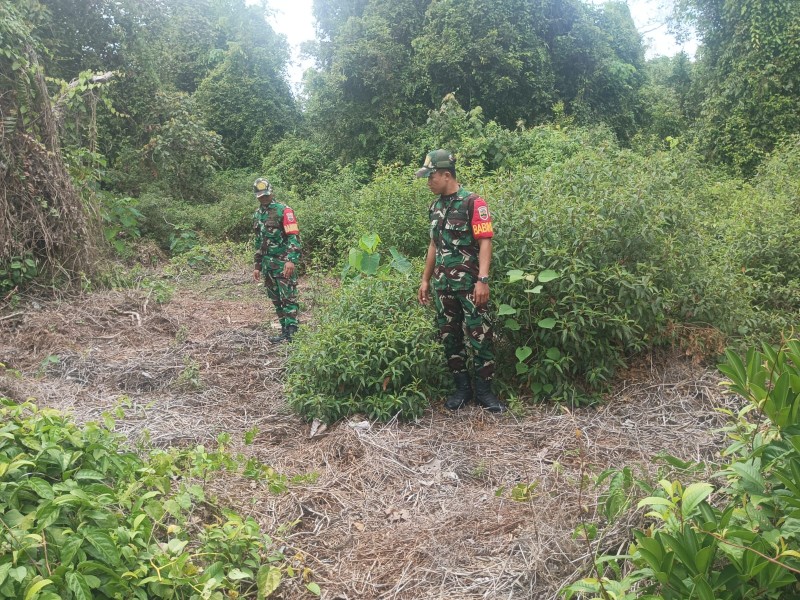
(289, 222)
(481, 220)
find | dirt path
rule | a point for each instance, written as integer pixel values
(399, 510)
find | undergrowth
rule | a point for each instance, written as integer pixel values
(82, 517)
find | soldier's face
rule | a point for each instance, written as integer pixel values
(437, 182)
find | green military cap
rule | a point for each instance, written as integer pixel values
(438, 159)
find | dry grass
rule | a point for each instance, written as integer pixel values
(398, 510)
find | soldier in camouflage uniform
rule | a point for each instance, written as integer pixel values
(277, 246)
(458, 260)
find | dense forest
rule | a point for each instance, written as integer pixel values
(638, 204)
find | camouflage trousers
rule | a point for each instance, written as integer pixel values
(455, 313)
(283, 293)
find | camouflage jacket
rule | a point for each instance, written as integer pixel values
(457, 222)
(277, 235)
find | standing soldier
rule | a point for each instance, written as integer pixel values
(277, 245)
(458, 259)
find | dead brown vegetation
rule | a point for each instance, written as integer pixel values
(41, 213)
(398, 510)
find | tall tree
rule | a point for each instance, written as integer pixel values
(490, 54)
(383, 64)
(598, 59)
(365, 96)
(748, 74)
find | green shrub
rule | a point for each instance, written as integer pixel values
(745, 543)
(121, 220)
(205, 258)
(759, 230)
(226, 219)
(394, 206)
(18, 271)
(628, 239)
(372, 350)
(182, 152)
(325, 216)
(82, 517)
(296, 164)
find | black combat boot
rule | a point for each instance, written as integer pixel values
(463, 393)
(289, 332)
(280, 338)
(485, 397)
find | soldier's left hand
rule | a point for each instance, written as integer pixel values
(288, 269)
(481, 294)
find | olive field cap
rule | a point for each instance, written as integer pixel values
(262, 187)
(438, 159)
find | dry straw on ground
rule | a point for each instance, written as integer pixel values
(398, 510)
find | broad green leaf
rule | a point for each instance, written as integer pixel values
(515, 275)
(313, 588)
(400, 262)
(176, 546)
(512, 324)
(46, 515)
(521, 368)
(505, 309)
(553, 353)
(4, 569)
(34, 588)
(694, 495)
(547, 323)
(369, 242)
(681, 551)
(523, 352)
(370, 263)
(704, 557)
(88, 475)
(534, 290)
(653, 501)
(102, 543)
(69, 548)
(702, 588)
(236, 574)
(41, 487)
(268, 580)
(547, 275)
(751, 477)
(78, 586)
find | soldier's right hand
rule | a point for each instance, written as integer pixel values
(424, 294)
(256, 275)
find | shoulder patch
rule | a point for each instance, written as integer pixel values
(481, 220)
(290, 222)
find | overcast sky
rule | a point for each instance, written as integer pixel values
(294, 19)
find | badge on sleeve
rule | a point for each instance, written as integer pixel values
(481, 220)
(289, 222)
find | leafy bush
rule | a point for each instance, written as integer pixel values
(18, 271)
(394, 206)
(325, 216)
(84, 518)
(759, 229)
(744, 543)
(373, 350)
(121, 219)
(226, 219)
(295, 163)
(205, 258)
(627, 237)
(182, 151)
